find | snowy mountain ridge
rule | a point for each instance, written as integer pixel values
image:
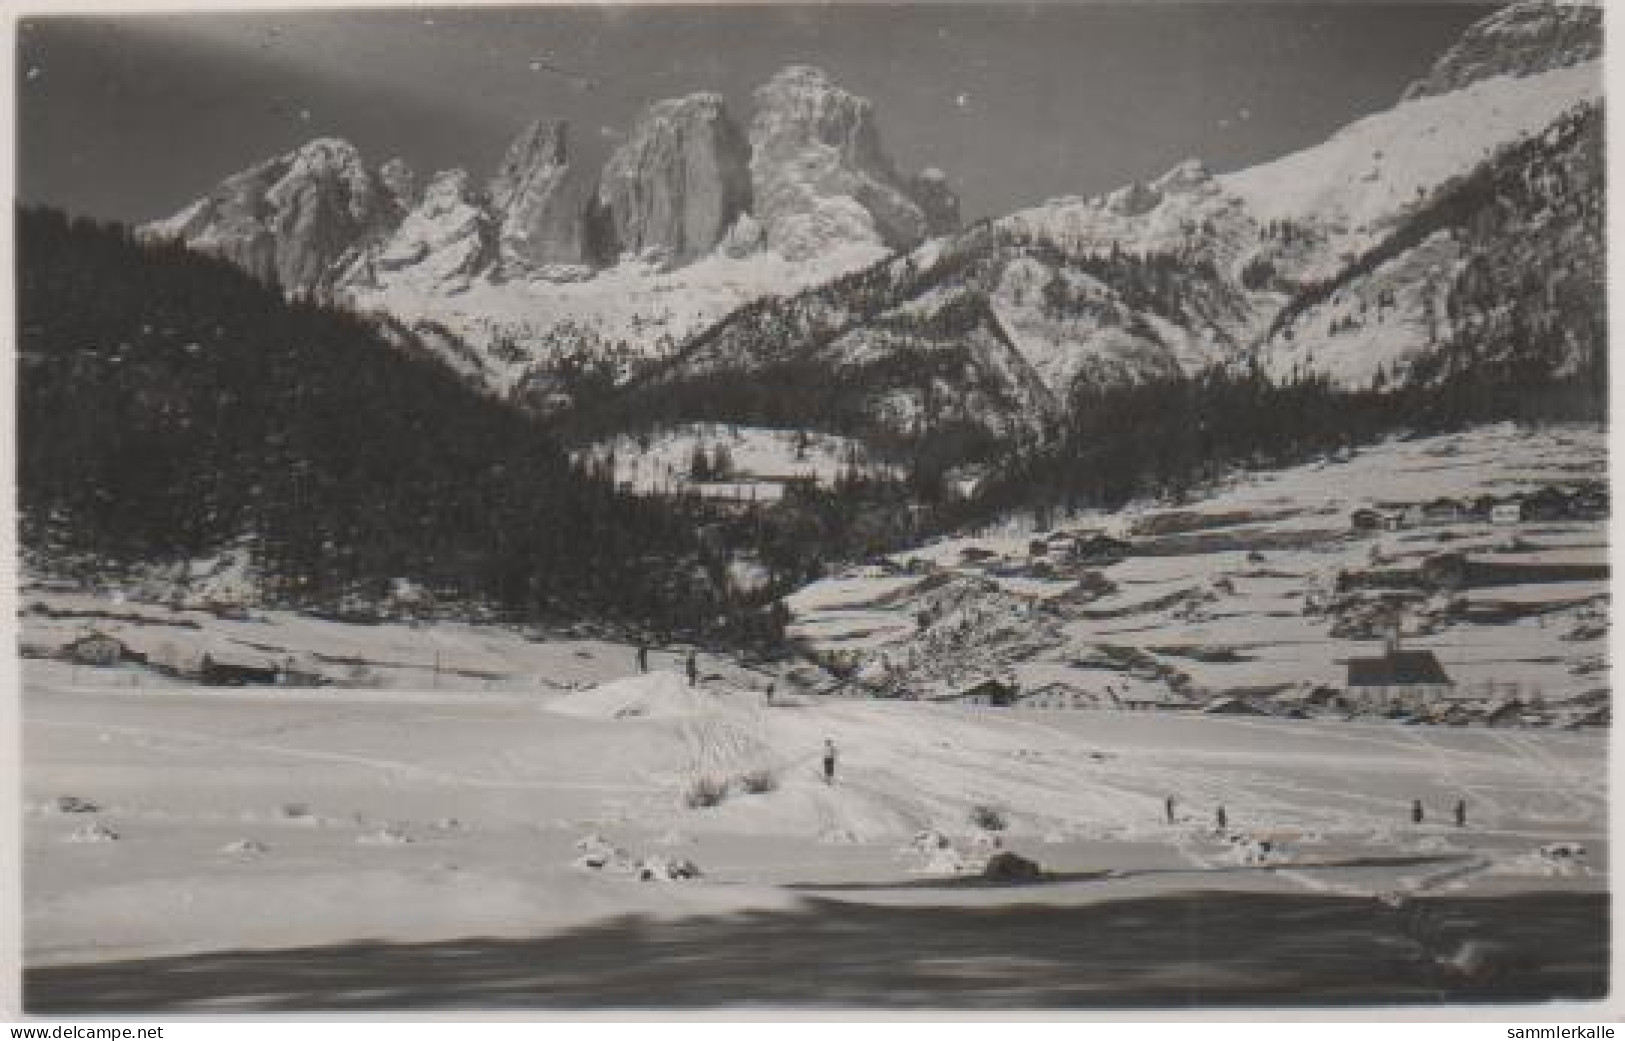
(1172, 276)
(689, 218)
(696, 228)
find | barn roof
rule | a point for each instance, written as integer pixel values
(1397, 668)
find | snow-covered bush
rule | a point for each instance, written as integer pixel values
(988, 818)
(759, 782)
(705, 792)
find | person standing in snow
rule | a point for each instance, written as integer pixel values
(770, 693)
(1461, 813)
(1168, 808)
(1416, 811)
(1221, 819)
(643, 657)
(829, 760)
(693, 668)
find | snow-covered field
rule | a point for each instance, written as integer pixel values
(195, 819)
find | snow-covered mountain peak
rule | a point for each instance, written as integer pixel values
(1371, 171)
(1521, 39)
(289, 219)
(1184, 177)
(819, 175)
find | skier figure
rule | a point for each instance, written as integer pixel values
(1461, 813)
(693, 668)
(643, 657)
(1222, 820)
(829, 761)
(770, 693)
(1416, 811)
(1168, 808)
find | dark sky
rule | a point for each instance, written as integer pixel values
(130, 117)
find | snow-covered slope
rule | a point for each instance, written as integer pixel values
(631, 314)
(1500, 268)
(1368, 174)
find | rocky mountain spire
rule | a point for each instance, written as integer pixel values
(819, 176)
(538, 199)
(679, 180)
(289, 220)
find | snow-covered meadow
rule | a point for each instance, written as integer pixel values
(196, 819)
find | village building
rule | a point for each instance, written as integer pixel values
(1589, 503)
(1504, 513)
(1100, 550)
(1446, 571)
(98, 648)
(988, 692)
(1592, 716)
(231, 668)
(1398, 679)
(1442, 511)
(1056, 695)
(1548, 504)
(1149, 698)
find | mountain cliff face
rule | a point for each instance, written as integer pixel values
(680, 180)
(1521, 39)
(442, 243)
(290, 220)
(537, 199)
(818, 172)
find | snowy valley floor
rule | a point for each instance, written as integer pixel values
(202, 851)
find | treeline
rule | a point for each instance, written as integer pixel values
(1169, 437)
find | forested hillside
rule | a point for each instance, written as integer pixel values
(170, 406)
